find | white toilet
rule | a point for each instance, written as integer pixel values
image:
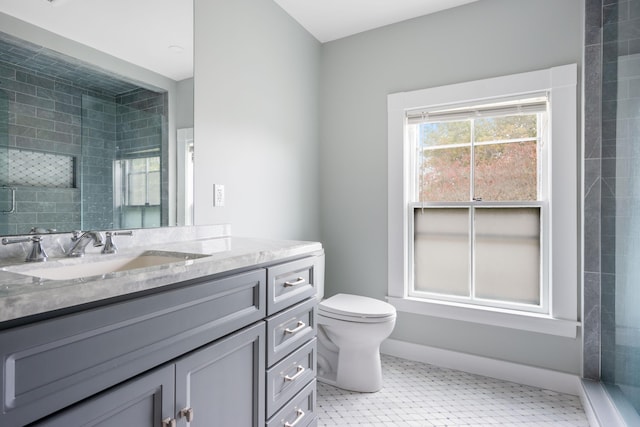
(350, 331)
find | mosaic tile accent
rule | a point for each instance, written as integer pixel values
(31, 168)
(418, 394)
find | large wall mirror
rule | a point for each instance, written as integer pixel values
(96, 115)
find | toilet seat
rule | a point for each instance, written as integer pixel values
(355, 308)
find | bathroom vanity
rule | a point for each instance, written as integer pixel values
(223, 339)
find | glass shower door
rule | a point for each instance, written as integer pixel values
(138, 185)
(122, 184)
(620, 368)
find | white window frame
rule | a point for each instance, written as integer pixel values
(560, 83)
(540, 203)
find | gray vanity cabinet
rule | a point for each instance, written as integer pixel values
(52, 364)
(219, 385)
(203, 353)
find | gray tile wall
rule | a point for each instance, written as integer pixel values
(42, 115)
(45, 114)
(592, 189)
(98, 153)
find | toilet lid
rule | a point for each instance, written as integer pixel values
(356, 306)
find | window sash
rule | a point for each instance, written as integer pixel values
(413, 131)
(471, 298)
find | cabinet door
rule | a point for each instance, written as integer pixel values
(223, 384)
(142, 402)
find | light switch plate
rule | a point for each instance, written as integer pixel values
(218, 195)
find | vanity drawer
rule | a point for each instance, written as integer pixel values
(289, 329)
(51, 364)
(288, 376)
(293, 282)
(300, 411)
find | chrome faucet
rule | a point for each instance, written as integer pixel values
(37, 253)
(81, 240)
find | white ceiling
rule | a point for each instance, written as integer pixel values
(329, 20)
(146, 32)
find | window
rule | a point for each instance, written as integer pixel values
(137, 190)
(482, 201)
(142, 177)
(479, 196)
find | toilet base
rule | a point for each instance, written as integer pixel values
(350, 367)
(360, 370)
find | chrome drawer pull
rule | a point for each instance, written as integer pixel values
(299, 370)
(298, 328)
(168, 422)
(300, 416)
(298, 281)
(187, 413)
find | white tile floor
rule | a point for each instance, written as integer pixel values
(417, 394)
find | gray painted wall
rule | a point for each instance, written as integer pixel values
(256, 119)
(480, 40)
(184, 104)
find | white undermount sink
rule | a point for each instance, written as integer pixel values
(78, 268)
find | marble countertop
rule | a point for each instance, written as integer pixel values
(22, 295)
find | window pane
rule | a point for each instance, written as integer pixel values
(507, 254)
(506, 171)
(504, 128)
(154, 188)
(445, 133)
(445, 174)
(137, 189)
(138, 165)
(154, 163)
(441, 251)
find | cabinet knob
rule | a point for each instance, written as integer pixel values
(169, 422)
(187, 413)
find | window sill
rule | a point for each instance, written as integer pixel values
(531, 322)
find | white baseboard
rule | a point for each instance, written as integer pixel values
(479, 365)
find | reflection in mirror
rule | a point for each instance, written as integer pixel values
(122, 153)
(185, 153)
(85, 148)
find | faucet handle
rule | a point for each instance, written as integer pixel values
(37, 253)
(109, 246)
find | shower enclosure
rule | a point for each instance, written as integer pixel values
(620, 232)
(612, 204)
(122, 159)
